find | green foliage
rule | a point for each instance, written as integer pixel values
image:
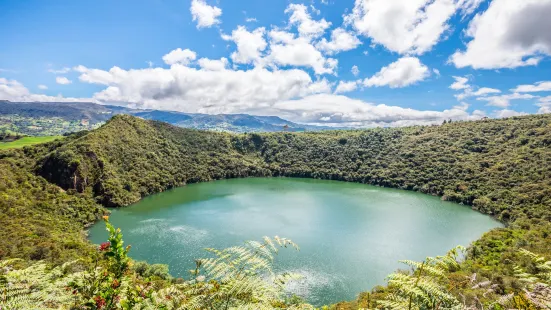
(26, 141)
(240, 277)
(235, 278)
(538, 278)
(103, 286)
(425, 288)
(39, 220)
(13, 295)
(50, 192)
(152, 272)
(244, 276)
(142, 158)
(37, 286)
(9, 135)
(499, 167)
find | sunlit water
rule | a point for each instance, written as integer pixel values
(350, 235)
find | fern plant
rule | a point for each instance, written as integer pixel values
(37, 286)
(241, 276)
(425, 287)
(538, 291)
(13, 295)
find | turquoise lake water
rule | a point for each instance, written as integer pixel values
(351, 236)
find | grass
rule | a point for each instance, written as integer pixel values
(26, 141)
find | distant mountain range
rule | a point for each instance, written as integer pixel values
(50, 118)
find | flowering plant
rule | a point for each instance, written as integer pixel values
(103, 287)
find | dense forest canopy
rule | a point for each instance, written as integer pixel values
(50, 192)
(499, 167)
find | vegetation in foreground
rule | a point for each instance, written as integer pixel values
(50, 192)
(237, 277)
(242, 277)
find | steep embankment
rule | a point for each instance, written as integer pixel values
(129, 158)
(39, 220)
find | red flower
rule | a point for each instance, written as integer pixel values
(100, 302)
(104, 246)
(115, 283)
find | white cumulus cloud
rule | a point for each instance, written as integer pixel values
(508, 113)
(406, 26)
(291, 94)
(250, 45)
(341, 41)
(346, 87)
(355, 70)
(485, 91)
(179, 56)
(545, 105)
(403, 72)
(338, 110)
(14, 91)
(213, 64)
(460, 83)
(204, 14)
(60, 71)
(532, 88)
(503, 101)
(188, 89)
(62, 80)
(286, 50)
(468, 90)
(509, 34)
(306, 26)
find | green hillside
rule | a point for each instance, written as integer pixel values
(26, 141)
(499, 167)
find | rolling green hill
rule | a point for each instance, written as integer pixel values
(57, 118)
(499, 167)
(27, 141)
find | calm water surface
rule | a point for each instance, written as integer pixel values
(351, 235)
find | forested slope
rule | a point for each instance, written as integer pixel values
(500, 167)
(39, 220)
(129, 158)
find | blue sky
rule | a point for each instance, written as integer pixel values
(419, 61)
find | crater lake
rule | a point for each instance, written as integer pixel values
(351, 236)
